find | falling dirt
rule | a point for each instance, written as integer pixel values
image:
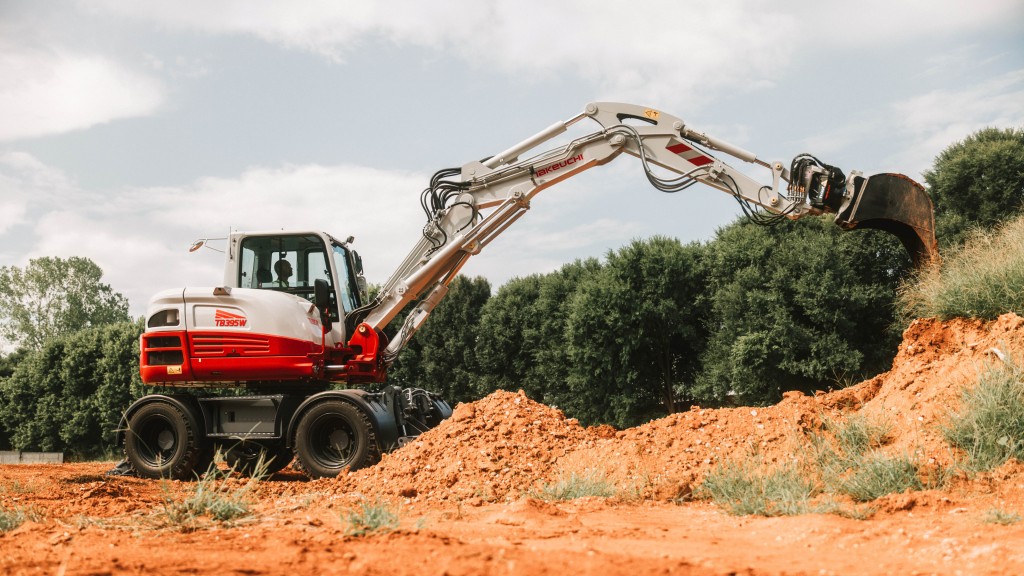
(470, 494)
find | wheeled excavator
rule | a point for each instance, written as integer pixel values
(293, 326)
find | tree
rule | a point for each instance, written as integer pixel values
(441, 357)
(977, 182)
(799, 306)
(52, 297)
(635, 333)
(521, 343)
(69, 395)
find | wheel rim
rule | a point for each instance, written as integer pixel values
(332, 441)
(157, 441)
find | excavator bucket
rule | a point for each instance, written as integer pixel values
(899, 206)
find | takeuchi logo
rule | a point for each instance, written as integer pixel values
(227, 319)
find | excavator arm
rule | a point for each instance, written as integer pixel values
(467, 208)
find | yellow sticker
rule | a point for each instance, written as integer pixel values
(174, 369)
(652, 114)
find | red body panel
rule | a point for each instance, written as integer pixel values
(212, 356)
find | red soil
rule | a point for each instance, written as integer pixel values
(467, 494)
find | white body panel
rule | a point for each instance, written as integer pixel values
(240, 310)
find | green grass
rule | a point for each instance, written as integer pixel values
(1001, 517)
(216, 497)
(982, 279)
(876, 475)
(370, 518)
(11, 519)
(844, 460)
(989, 426)
(592, 482)
(743, 487)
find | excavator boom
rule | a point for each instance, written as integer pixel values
(459, 224)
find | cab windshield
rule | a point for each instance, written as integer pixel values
(292, 263)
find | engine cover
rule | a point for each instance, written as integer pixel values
(201, 335)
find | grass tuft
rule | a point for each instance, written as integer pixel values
(878, 475)
(591, 482)
(1001, 517)
(989, 427)
(216, 496)
(844, 459)
(11, 519)
(982, 279)
(742, 487)
(370, 518)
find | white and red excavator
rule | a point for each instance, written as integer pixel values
(292, 321)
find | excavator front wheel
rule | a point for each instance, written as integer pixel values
(333, 435)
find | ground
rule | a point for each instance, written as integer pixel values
(470, 495)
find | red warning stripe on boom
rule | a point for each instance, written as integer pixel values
(689, 154)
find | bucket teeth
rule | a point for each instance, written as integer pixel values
(898, 205)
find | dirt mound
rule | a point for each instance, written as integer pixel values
(506, 445)
(497, 447)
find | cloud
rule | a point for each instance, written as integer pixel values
(51, 91)
(659, 51)
(140, 236)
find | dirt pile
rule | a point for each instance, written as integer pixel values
(506, 445)
(493, 448)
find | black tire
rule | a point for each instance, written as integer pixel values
(244, 456)
(333, 435)
(164, 441)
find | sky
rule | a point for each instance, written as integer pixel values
(130, 129)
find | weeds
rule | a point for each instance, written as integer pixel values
(989, 427)
(877, 475)
(592, 482)
(11, 519)
(1001, 517)
(370, 518)
(216, 496)
(843, 460)
(742, 487)
(982, 279)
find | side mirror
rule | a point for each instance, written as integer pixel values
(322, 301)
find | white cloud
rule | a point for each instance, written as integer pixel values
(53, 91)
(140, 236)
(666, 51)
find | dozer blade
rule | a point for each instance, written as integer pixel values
(899, 206)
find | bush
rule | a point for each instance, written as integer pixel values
(69, 395)
(989, 427)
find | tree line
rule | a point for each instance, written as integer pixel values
(659, 325)
(654, 327)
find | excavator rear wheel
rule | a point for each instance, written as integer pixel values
(164, 441)
(333, 435)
